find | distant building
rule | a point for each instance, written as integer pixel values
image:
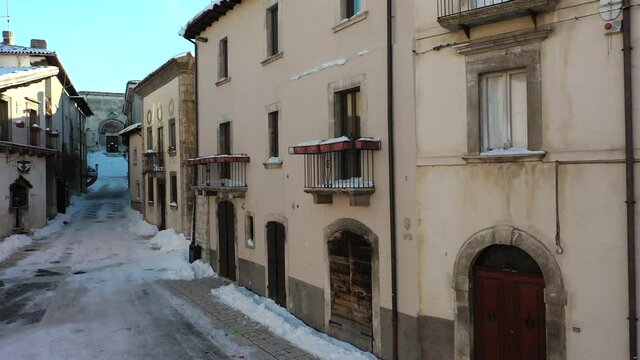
(108, 120)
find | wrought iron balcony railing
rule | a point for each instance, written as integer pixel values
(464, 14)
(222, 173)
(339, 165)
(153, 162)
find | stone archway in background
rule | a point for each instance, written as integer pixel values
(555, 295)
(108, 132)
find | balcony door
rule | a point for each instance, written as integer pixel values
(226, 240)
(161, 146)
(349, 125)
(225, 148)
(276, 260)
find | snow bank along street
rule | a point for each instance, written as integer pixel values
(87, 286)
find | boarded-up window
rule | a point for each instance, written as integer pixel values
(504, 110)
(5, 126)
(150, 189)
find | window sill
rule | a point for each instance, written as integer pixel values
(150, 203)
(345, 23)
(223, 81)
(172, 153)
(173, 206)
(357, 197)
(503, 158)
(272, 164)
(272, 58)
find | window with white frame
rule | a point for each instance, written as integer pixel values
(503, 110)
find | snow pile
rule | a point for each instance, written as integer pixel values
(56, 224)
(168, 241)
(13, 243)
(108, 166)
(138, 226)
(283, 324)
(197, 270)
(512, 151)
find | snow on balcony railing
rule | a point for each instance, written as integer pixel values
(221, 171)
(464, 14)
(339, 163)
(20, 134)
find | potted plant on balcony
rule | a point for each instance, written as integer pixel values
(35, 128)
(20, 124)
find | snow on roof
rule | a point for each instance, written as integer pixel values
(14, 76)
(194, 19)
(130, 128)
(15, 49)
(210, 14)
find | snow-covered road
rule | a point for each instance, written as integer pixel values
(87, 289)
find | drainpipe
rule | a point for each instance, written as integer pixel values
(392, 181)
(195, 171)
(629, 161)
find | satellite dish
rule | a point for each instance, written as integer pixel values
(610, 9)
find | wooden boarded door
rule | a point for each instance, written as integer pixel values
(509, 313)
(275, 249)
(226, 240)
(351, 289)
(162, 207)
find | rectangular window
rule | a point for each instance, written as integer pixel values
(223, 59)
(273, 135)
(150, 189)
(504, 110)
(135, 156)
(5, 125)
(251, 240)
(35, 135)
(351, 8)
(272, 31)
(149, 138)
(174, 188)
(138, 190)
(172, 134)
(160, 146)
(348, 124)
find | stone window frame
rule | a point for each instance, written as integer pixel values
(336, 87)
(502, 53)
(275, 107)
(555, 294)
(249, 229)
(343, 22)
(269, 58)
(357, 227)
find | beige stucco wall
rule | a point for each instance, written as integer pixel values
(36, 215)
(305, 113)
(136, 179)
(583, 119)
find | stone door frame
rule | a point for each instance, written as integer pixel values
(555, 295)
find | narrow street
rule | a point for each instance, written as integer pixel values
(89, 291)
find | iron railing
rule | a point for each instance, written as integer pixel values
(5, 130)
(344, 169)
(221, 171)
(153, 162)
(23, 134)
(454, 7)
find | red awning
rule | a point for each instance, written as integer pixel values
(333, 145)
(215, 159)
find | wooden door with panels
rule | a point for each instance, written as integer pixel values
(276, 267)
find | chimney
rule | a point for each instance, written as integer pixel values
(39, 44)
(7, 38)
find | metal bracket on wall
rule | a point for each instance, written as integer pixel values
(534, 18)
(467, 30)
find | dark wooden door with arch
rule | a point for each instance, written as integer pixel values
(226, 240)
(351, 289)
(508, 306)
(276, 252)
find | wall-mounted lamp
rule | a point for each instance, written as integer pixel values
(202, 39)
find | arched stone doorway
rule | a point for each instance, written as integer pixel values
(352, 298)
(109, 138)
(475, 251)
(19, 201)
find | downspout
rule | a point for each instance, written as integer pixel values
(195, 171)
(629, 162)
(392, 181)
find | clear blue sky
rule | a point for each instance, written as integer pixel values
(104, 43)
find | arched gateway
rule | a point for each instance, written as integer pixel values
(509, 298)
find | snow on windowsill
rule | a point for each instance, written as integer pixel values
(273, 162)
(251, 243)
(503, 155)
(345, 23)
(173, 205)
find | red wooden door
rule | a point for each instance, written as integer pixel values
(509, 315)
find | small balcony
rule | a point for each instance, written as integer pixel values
(153, 162)
(17, 137)
(339, 166)
(224, 174)
(465, 14)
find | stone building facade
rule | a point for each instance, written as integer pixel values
(168, 141)
(107, 121)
